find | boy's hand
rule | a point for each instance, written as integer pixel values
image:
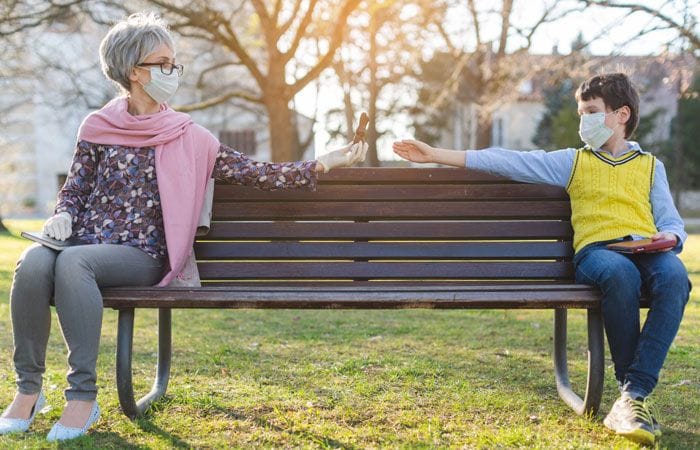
(415, 151)
(663, 235)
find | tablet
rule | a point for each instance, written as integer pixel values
(642, 246)
(51, 243)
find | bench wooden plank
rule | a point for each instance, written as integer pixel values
(391, 175)
(392, 210)
(387, 270)
(405, 230)
(225, 193)
(376, 250)
(330, 298)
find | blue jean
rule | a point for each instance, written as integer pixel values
(637, 356)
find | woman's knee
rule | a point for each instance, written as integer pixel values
(36, 262)
(71, 263)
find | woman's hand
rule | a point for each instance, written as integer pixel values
(59, 226)
(416, 151)
(345, 156)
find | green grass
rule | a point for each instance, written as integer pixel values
(356, 379)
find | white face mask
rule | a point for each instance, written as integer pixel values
(162, 86)
(593, 130)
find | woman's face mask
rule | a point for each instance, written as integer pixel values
(161, 87)
(593, 130)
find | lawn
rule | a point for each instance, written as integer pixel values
(355, 379)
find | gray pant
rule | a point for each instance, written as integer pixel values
(72, 278)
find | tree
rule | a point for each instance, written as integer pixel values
(277, 31)
(560, 119)
(484, 73)
(376, 62)
(686, 25)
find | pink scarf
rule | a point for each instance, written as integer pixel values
(185, 156)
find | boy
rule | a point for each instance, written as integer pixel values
(618, 192)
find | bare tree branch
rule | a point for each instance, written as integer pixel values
(336, 40)
(686, 30)
(285, 26)
(301, 31)
(218, 100)
(505, 26)
(475, 18)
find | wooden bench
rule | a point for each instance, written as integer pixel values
(381, 238)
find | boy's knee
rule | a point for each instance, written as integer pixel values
(673, 277)
(621, 275)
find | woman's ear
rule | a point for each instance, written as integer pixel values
(134, 76)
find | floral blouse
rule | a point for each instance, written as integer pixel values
(111, 192)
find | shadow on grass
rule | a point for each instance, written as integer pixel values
(677, 439)
(146, 425)
(98, 439)
(323, 441)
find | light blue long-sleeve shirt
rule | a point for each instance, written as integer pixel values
(555, 167)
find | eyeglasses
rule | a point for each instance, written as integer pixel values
(166, 68)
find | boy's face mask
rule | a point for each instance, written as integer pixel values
(593, 130)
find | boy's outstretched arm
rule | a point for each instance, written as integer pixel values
(536, 166)
(420, 152)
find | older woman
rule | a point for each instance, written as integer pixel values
(134, 191)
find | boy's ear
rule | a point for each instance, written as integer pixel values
(623, 114)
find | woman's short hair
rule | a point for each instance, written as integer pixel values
(129, 42)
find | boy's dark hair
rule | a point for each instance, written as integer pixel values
(616, 90)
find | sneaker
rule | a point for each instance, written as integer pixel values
(656, 427)
(630, 418)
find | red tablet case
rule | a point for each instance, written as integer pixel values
(642, 245)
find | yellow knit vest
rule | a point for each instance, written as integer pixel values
(610, 197)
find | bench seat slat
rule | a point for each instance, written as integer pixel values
(422, 192)
(387, 270)
(412, 250)
(391, 210)
(404, 230)
(354, 299)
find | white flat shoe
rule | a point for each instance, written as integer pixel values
(8, 425)
(62, 433)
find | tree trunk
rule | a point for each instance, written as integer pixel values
(283, 137)
(678, 157)
(371, 136)
(483, 134)
(2, 226)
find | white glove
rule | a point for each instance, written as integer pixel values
(345, 156)
(59, 226)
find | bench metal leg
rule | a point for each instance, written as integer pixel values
(596, 363)
(125, 334)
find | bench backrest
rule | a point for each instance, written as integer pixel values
(384, 224)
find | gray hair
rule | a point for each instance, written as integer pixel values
(129, 42)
